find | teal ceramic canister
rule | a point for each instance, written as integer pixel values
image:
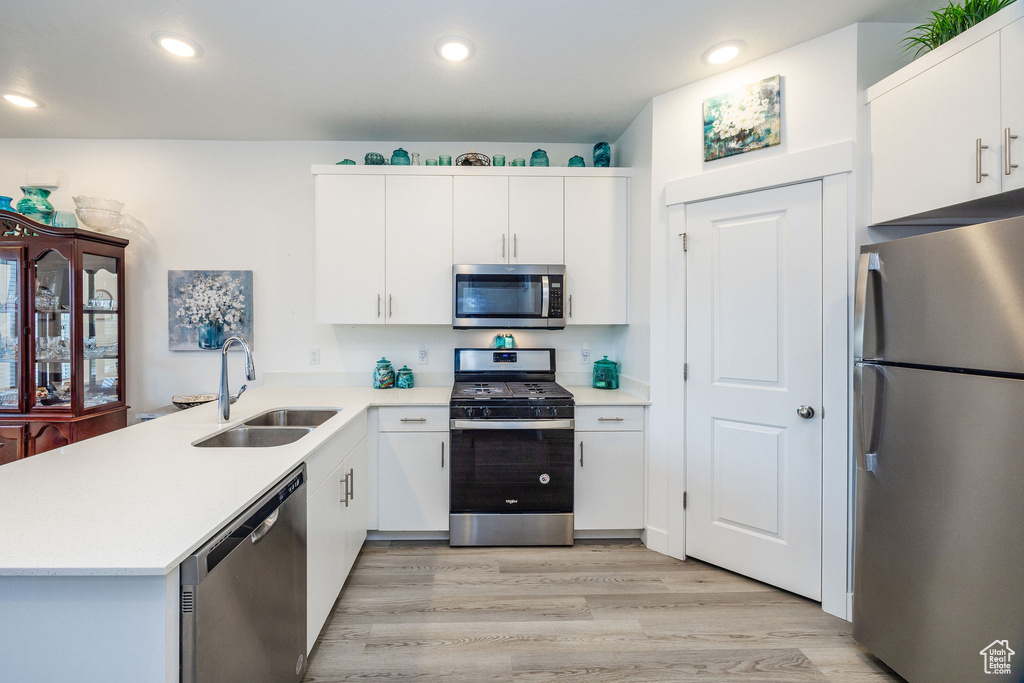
(577, 162)
(404, 380)
(35, 205)
(539, 158)
(400, 157)
(383, 375)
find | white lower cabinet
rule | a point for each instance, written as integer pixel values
(609, 481)
(336, 521)
(413, 480)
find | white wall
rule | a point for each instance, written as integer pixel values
(633, 149)
(249, 206)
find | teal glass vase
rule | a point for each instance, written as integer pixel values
(539, 158)
(36, 205)
(211, 335)
(399, 157)
(5, 204)
(602, 155)
(577, 162)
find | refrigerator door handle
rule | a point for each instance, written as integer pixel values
(861, 440)
(869, 261)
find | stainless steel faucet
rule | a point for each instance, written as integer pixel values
(225, 399)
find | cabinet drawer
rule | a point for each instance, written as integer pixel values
(413, 419)
(323, 460)
(609, 418)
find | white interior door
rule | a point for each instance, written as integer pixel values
(753, 349)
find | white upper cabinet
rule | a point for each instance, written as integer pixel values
(386, 239)
(597, 250)
(925, 149)
(942, 127)
(1012, 45)
(350, 249)
(419, 250)
(480, 216)
(535, 220)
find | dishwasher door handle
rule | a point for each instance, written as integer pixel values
(265, 526)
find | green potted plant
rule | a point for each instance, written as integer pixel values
(949, 22)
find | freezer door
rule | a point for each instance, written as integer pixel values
(952, 299)
(939, 562)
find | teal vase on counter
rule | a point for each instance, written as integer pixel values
(36, 205)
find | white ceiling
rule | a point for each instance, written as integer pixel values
(543, 71)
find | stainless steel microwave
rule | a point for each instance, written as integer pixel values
(509, 296)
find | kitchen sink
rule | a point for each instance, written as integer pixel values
(254, 437)
(293, 417)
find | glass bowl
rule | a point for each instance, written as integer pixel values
(98, 203)
(101, 220)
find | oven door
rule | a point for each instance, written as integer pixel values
(510, 296)
(511, 467)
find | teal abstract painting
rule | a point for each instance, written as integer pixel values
(743, 120)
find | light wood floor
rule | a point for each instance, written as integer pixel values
(599, 611)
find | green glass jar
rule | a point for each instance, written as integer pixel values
(498, 160)
(404, 380)
(400, 158)
(444, 160)
(606, 374)
(577, 162)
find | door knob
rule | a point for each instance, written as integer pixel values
(806, 412)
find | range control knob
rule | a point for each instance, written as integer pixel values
(487, 412)
(553, 411)
(538, 411)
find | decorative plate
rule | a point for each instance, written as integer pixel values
(473, 159)
(183, 402)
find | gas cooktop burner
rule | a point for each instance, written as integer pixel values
(480, 389)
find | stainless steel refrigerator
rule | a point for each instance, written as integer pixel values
(939, 443)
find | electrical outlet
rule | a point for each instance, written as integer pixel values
(423, 356)
(585, 354)
(314, 356)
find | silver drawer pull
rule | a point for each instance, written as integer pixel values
(609, 419)
(414, 419)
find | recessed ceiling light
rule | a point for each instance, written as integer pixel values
(177, 45)
(723, 52)
(454, 49)
(21, 100)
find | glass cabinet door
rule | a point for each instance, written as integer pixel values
(100, 328)
(10, 331)
(52, 278)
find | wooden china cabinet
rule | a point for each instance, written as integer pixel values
(61, 336)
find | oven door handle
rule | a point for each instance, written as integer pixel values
(512, 424)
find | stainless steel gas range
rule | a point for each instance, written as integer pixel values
(511, 450)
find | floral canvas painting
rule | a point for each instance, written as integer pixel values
(743, 120)
(205, 307)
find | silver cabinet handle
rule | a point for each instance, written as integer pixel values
(806, 412)
(413, 419)
(515, 245)
(609, 419)
(351, 495)
(1007, 137)
(503, 246)
(442, 455)
(570, 305)
(344, 490)
(389, 305)
(378, 305)
(977, 151)
(581, 454)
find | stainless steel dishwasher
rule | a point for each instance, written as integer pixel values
(243, 594)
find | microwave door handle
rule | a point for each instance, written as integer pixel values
(545, 295)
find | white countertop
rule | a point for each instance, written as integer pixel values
(139, 500)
